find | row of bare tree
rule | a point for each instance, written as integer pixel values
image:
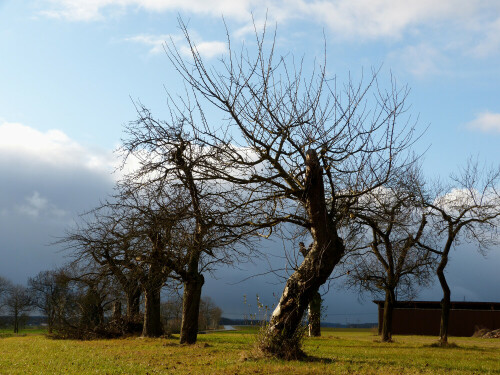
(15, 301)
(407, 229)
(293, 155)
(81, 304)
(289, 154)
(333, 161)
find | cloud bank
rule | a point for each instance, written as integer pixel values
(368, 19)
(53, 148)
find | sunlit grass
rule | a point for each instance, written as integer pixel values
(336, 352)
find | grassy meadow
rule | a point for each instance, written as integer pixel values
(338, 351)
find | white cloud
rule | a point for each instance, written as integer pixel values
(378, 18)
(420, 60)
(90, 10)
(155, 42)
(486, 122)
(207, 49)
(53, 147)
(489, 42)
(367, 19)
(456, 199)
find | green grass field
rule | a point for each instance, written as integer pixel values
(336, 352)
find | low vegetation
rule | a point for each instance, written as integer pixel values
(338, 351)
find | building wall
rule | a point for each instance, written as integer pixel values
(415, 321)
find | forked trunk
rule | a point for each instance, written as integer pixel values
(315, 315)
(387, 317)
(326, 251)
(445, 303)
(152, 319)
(191, 309)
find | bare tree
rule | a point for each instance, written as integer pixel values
(171, 311)
(18, 303)
(151, 225)
(210, 314)
(209, 229)
(137, 238)
(91, 295)
(104, 238)
(392, 219)
(468, 210)
(301, 150)
(47, 294)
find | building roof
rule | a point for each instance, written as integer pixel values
(455, 305)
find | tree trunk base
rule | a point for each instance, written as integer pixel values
(191, 309)
(274, 343)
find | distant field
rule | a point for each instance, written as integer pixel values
(338, 351)
(4, 332)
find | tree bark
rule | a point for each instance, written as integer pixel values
(191, 309)
(50, 320)
(315, 315)
(445, 303)
(117, 310)
(133, 302)
(318, 264)
(152, 319)
(16, 322)
(387, 317)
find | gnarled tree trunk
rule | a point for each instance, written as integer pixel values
(191, 308)
(326, 251)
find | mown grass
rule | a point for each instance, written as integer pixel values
(336, 352)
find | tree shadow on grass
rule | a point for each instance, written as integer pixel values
(314, 359)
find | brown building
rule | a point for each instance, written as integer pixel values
(424, 317)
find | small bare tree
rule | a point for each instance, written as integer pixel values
(171, 312)
(392, 219)
(105, 239)
(18, 303)
(468, 210)
(210, 314)
(89, 297)
(47, 294)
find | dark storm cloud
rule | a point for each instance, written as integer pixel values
(46, 181)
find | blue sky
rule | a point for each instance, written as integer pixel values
(69, 68)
